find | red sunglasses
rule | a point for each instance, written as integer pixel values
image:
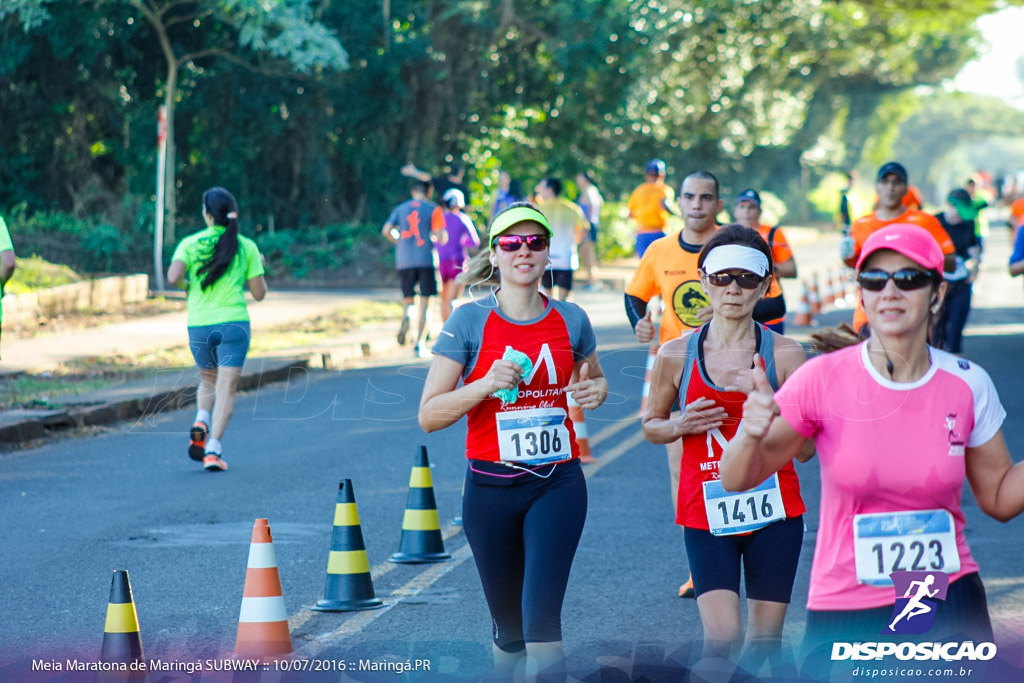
(512, 243)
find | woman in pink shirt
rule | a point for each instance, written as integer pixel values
(898, 426)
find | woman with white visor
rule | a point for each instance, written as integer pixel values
(709, 371)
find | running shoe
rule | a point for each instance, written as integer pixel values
(403, 331)
(686, 590)
(213, 463)
(197, 440)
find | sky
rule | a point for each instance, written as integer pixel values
(994, 73)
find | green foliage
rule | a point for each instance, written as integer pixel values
(335, 253)
(773, 95)
(88, 245)
(615, 238)
(31, 13)
(943, 123)
(104, 246)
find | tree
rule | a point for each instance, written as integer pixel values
(192, 30)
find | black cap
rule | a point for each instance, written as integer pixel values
(893, 167)
(749, 196)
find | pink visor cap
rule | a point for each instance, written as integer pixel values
(914, 242)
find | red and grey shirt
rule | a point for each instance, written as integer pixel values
(477, 334)
(702, 452)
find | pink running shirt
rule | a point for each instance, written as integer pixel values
(885, 447)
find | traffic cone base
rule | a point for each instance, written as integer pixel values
(349, 585)
(264, 639)
(421, 528)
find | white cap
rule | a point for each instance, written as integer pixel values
(454, 196)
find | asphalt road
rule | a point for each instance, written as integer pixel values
(128, 498)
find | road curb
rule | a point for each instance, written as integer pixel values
(55, 421)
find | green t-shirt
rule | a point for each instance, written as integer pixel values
(5, 245)
(224, 301)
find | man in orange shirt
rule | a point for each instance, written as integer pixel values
(650, 205)
(669, 270)
(891, 186)
(748, 213)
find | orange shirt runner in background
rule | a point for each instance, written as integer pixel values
(780, 252)
(647, 206)
(912, 199)
(864, 226)
(1017, 212)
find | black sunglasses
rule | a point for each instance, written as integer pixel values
(512, 243)
(907, 279)
(744, 280)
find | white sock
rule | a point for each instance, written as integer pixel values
(203, 416)
(213, 446)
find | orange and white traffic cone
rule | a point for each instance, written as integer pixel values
(579, 425)
(122, 642)
(652, 354)
(813, 299)
(839, 290)
(828, 296)
(262, 622)
(852, 290)
(802, 316)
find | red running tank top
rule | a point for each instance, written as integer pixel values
(702, 452)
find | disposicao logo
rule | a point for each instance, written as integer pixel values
(918, 598)
(914, 612)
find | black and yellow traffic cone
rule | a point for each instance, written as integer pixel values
(421, 529)
(349, 586)
(121, 639)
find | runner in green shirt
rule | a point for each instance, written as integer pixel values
(7, 261)
(215, 265)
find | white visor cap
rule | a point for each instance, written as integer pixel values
(735, 256)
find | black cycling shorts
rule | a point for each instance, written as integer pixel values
(557, 278)
(425, 277)
(769, 558)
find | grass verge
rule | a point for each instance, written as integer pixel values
(46, 390)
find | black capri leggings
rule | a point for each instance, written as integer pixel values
(523, 531)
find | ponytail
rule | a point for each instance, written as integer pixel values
(479, 271)
(222, 207)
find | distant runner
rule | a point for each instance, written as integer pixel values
(215, 265)
(413, 227)
(453, 253)
(891, 186)
(748, 213)
(650, 206)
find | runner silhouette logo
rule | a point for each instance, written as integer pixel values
(917, 594)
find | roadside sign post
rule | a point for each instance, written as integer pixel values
(158, 227)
